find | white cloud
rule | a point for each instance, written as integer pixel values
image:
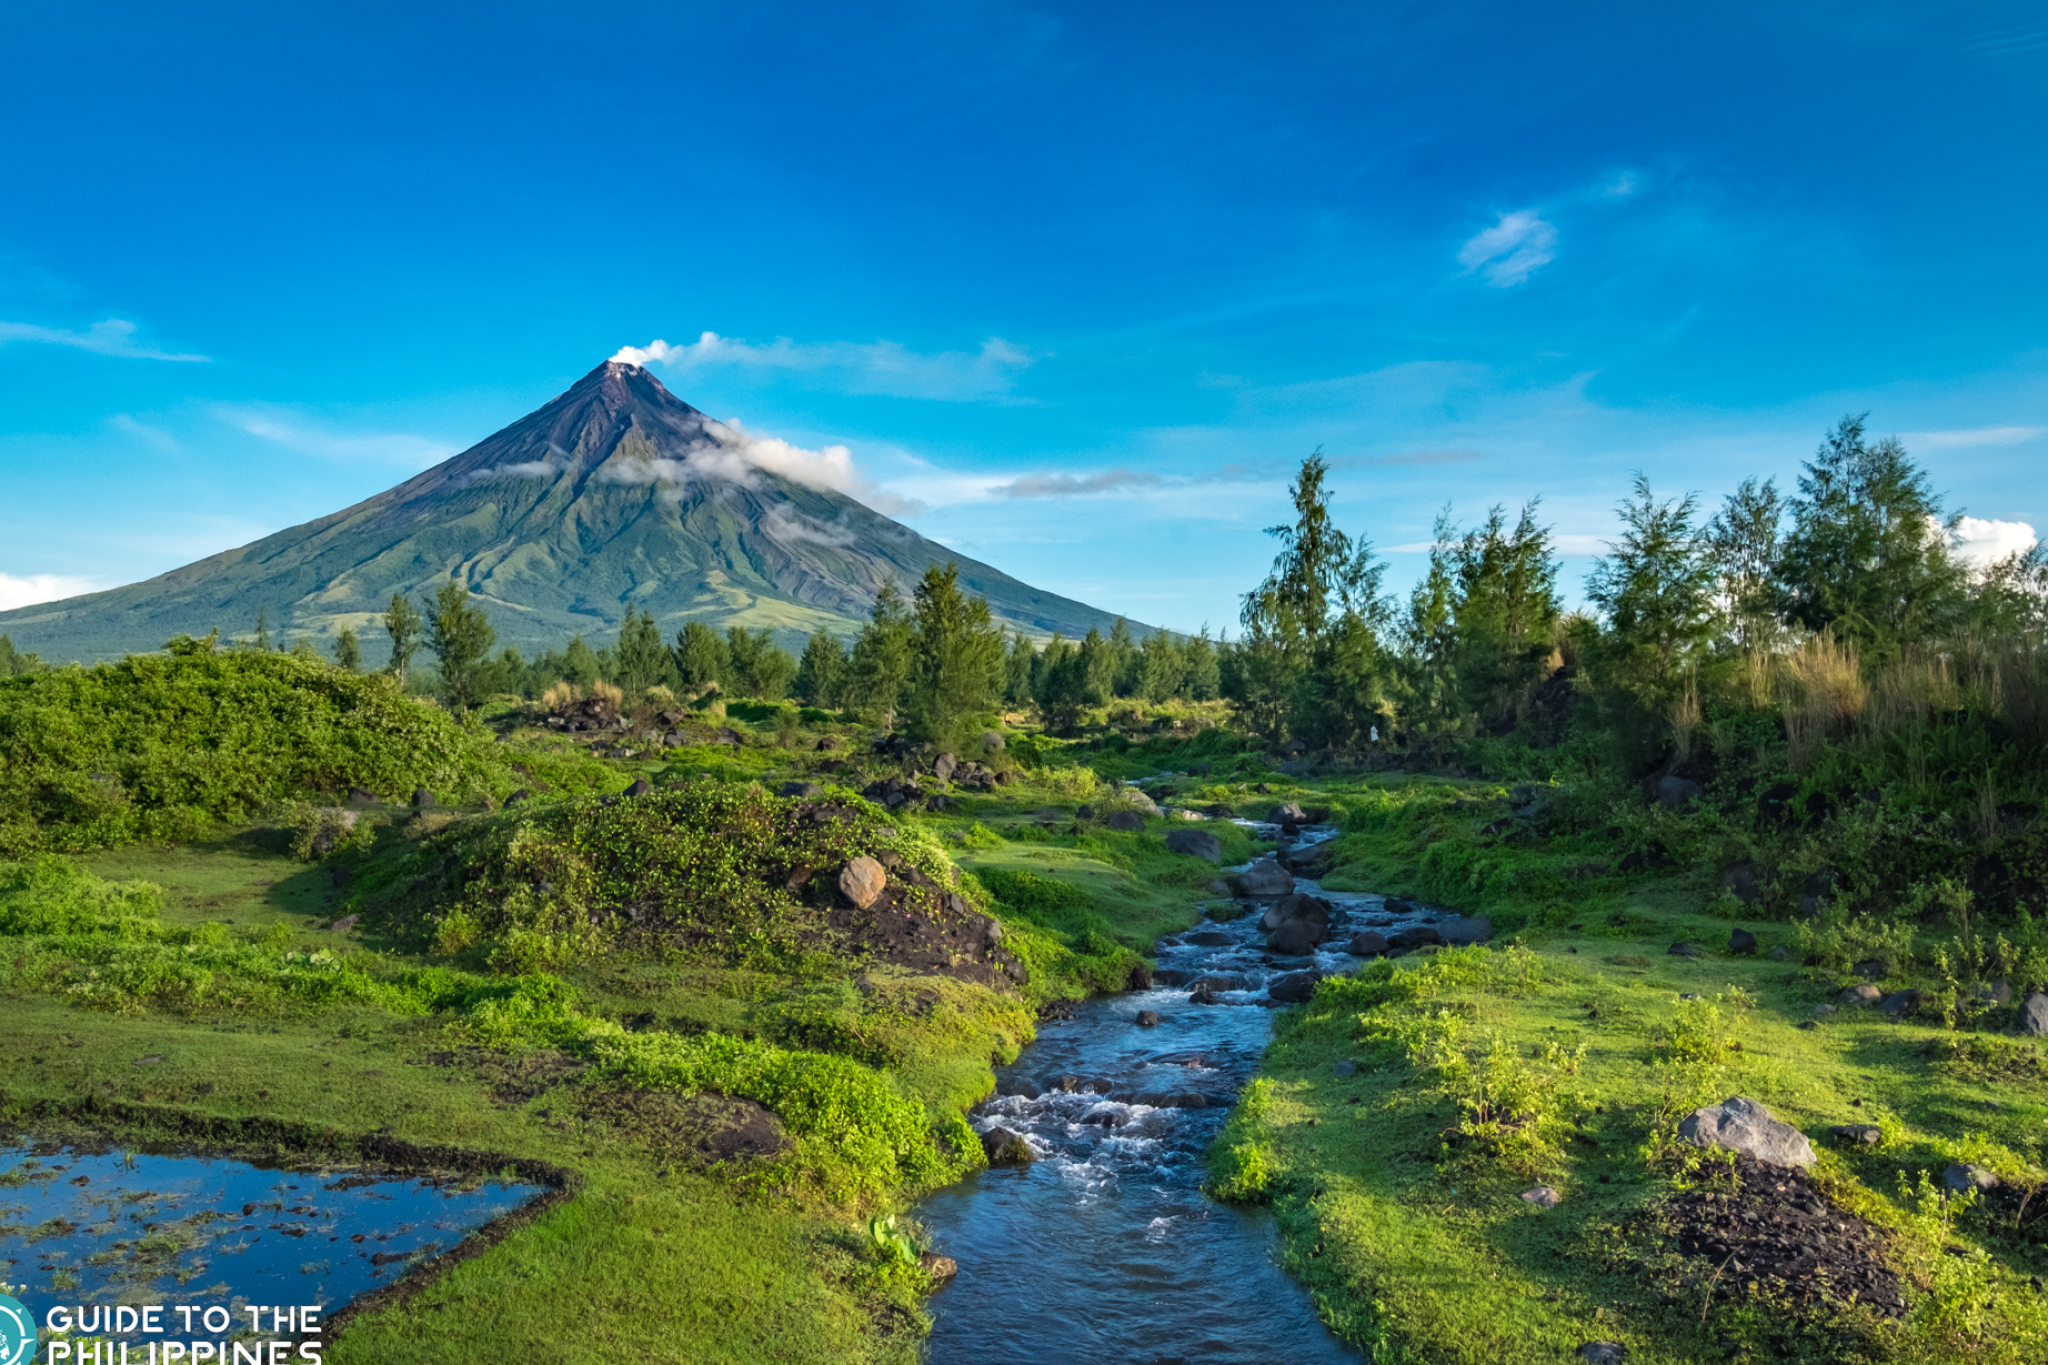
(1079, 485)
(880, 367)
(1984, 541)
(731, 454)
(115, 337)
(142, 431)
(1512, 249)
(399, 449)
(1972, 436)
(25, 590)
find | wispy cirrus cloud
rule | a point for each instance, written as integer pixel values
(398, 449)
(25, 590)
(1078, 485)
(1968, 437)
(884, 368)
(114, 337)
(1512, 250)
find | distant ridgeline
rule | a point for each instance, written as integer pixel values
(615, 496)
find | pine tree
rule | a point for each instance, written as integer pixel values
(1062, 686)
(640, 659)
(461, 635)
(698, 656)
(879, 670)
(1868, 552)
(1656, 587)
(404, 625)
(956, 657)
(262, 640)
(1201, 665)
(347, 652)
(1020, 666)
(818, 672)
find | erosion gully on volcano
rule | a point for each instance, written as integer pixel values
(1104, 1248)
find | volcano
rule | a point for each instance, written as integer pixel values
(616, 495)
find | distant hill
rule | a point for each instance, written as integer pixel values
(616, 494)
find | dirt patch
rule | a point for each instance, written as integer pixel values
(1774, 1232)
(918, 925)
(694, 1130)
(514, 1078)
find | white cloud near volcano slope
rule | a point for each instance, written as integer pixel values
(25, 590)
(879, 367)
(114, 337)
(1512, 250)
(733, 454)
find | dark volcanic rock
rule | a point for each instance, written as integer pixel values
(1005, 1148)
(1294, 988)
(1371, 943)
(1128, 821)
(1742, 942)
(1198, 843)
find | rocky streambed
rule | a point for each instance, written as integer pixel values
(1101, 1245)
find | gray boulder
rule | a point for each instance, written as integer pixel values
(2034, 1016)
(1196, 843)
(991, 742)
(1864, 994)
(422, 798)
(1673, 792)
(800, 789)
(1005, 1148)
(1742, 943)
(1296, 937)
(1463, 929)
(1603, 1353)
(1128, 821)
(1371, 943)
(1294, 988)
(1416, 936)
(1265, 878)
(1543, 1196)
(1745, 881)
(1860, 1134)
(1742, 1125)
(1961, 1178)
(1684, 950)
(944, 766)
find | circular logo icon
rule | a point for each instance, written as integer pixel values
(17, 1332)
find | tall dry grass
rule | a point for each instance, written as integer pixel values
(1685, 719)
(1823, 694)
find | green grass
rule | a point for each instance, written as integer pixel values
(1417, 1245)
(658, 1256)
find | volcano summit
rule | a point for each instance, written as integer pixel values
(617, 494)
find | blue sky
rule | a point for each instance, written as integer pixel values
(1073, 287)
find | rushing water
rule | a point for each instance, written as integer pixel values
(1104, 1248)
(82, 1227)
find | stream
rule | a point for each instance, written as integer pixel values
(1104, 1248)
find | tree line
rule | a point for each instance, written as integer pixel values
(1863, 555)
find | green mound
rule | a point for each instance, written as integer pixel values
(725, 871)
(163, 746)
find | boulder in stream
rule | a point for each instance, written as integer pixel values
(1263, 879)
(1294, 988)
(1005, 1148)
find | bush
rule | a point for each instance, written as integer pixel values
(162, 746)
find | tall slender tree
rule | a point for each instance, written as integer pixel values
(818, 672)
(348, 653)
(461, 635)
(404, 624)
(640, 658)
(1656, 586)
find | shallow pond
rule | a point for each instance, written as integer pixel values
(1105, 1248)
(87, 1225)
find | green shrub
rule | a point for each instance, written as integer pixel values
(162, 746)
